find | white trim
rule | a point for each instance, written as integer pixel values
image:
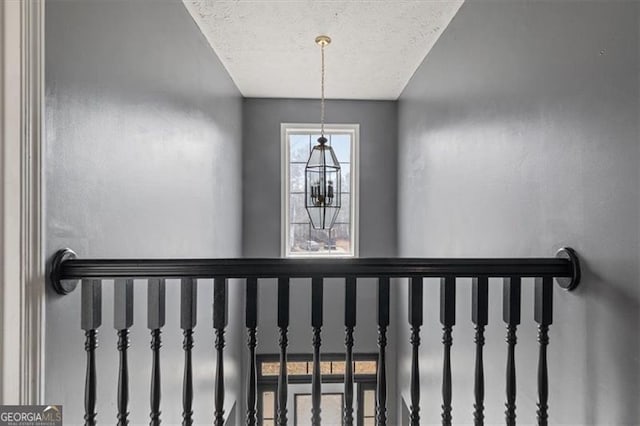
(289, 128)
(21, 250)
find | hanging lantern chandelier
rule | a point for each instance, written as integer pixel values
(322, 172)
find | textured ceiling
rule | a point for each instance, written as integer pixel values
(268, 48)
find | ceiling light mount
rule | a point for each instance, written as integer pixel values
(323, 40)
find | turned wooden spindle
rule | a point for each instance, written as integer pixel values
(511, 316)
(448, 320)
(251, 322)
(91, 319)
(188, 319)
(479, 316)
(383, 306)
(415, 321)
(543, 315)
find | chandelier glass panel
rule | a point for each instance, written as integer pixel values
(322, 173)
(322, 186)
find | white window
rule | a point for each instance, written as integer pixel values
(299, 239)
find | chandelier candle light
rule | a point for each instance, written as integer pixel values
(322, 173)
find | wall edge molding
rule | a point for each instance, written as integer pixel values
(23, 309)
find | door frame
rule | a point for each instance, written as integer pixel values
(269, 383)
(22, 266)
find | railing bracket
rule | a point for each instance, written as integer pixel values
(61, 286)
(569, 283)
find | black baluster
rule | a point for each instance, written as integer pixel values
(251, 322)
(479, 316)
(220, 321)
(155, 322)
(511, 316)
(349, 323)
(316, 323)
(415, 320)
(283, 325)
(543, 314)
(91, 319)
(448, 320)
(122, 321)
(188, 316)
(383, 323)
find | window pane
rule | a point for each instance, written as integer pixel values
(270, 368)
(345, 172)
(365, 367)
(303, 410)
(268, 405)
(325, 367)
(344, 215)
(331, 409)
(320, 236)
(299, 148)
(341, 236)
(369, 403)
(296, 174)
(297, 368)
(338, 367)
(341, 144)
(369, 421)
(300, 241)
(298, 213)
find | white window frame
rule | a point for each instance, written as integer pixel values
(292, 128)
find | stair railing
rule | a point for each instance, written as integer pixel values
(66, 270)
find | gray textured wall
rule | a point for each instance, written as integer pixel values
(143, 140)
(519, 134)
(261, 214)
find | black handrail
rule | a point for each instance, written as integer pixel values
(65, 266)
